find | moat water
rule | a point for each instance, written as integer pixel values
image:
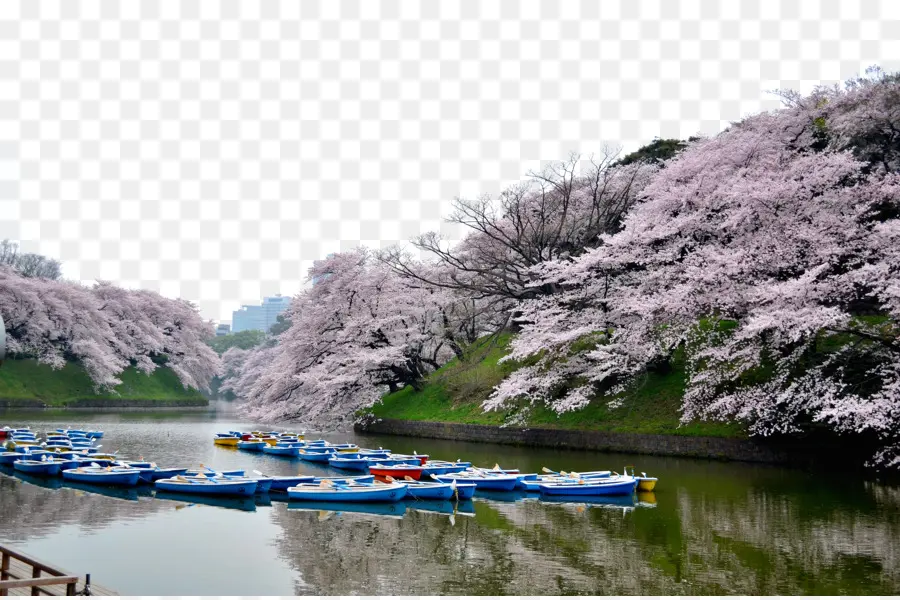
(709, 527)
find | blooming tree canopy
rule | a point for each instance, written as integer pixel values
(359, 331)
(105, 328)
(770, 253)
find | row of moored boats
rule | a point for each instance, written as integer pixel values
(389, 476)
(378, 475)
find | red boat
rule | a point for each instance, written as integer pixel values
(396, 471)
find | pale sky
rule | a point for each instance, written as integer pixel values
(213, 150)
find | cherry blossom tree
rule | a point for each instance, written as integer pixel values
(55, 321)
(557, 212)
(104, 328)
(770, 253)
(359, 331)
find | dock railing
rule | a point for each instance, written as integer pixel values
(19, 570)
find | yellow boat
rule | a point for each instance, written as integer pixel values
(226, 441)
(269, 440)
(646, 484)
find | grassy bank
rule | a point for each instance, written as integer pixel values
(28, 383)
(454, 393)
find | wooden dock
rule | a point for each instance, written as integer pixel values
(23, 575)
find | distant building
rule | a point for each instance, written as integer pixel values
(323, 276)
(259, 317)
(223, 329)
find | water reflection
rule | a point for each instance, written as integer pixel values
(188, 500)
(709, 528)
(394, 510)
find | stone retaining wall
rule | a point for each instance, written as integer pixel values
(788, 451)
(111, 403)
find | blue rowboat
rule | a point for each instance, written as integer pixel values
(73, 463)
(374, 453)
(162, 473)
(482, 482)
(392, 462)
(263, 484)
(441, 468)
(36, 454)
(208, 486)
(319, 449)
(384, 509)
(252, 445)
(431, 491)
(355, 492)
(418, 459)
(212, 472)
(465, 491)
(343, 447)
(150, 472)
(281, 450)
(8, 458)
(614, 486)
(90, 461)
(349, 464)
(353, 479)
(95, 435)
(38, 467)
(103, 476)
(532, 484)
(282, 483)
(71, 432)
(69, 454)
(319, 457)
(580, 474)
(57, 446)
(243, 503)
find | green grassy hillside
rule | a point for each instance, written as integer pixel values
(26, 382)
(454, 394)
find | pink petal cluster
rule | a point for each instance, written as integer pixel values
(105, 328)
(359, 331)
(772, 248)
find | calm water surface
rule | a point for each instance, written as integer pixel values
(709, 528)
